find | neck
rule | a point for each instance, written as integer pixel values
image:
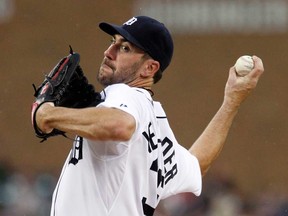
(143, 83)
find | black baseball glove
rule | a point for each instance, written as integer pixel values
(66, 86)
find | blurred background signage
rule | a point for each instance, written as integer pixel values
(220, 16)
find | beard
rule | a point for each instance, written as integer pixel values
(108, 74)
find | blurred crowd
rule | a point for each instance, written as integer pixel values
(222, 197)
(25, 196)
(31, 196)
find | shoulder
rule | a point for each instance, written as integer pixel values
(116, 89)
(120, 86)
(124, 90)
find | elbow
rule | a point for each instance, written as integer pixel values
(204, 164)
(204, 170)
(204, 160)
(121, 131)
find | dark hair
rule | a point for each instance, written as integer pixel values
(157, 76)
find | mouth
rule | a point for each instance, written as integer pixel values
(105, 69)
(107, 64)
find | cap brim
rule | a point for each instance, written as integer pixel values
(112, 29)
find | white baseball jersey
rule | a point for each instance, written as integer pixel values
(126, 178)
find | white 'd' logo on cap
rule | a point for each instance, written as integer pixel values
(130, 21)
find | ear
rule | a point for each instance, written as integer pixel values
(150, 68)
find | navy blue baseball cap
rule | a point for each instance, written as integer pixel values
(146, 33)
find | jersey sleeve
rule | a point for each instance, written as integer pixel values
(189, 178)
(185, 175)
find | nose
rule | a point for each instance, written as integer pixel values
(110, 52)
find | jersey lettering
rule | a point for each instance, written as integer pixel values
(77, 152)
(171, 173)
(147, 210)
(168, 155)
(149, 137)
(169, 145)
(160, 179)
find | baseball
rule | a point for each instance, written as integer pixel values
(244, 65)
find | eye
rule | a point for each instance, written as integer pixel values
(125, 48)
(113, 41)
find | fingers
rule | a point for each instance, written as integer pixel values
(257, 62)
(258, 69)
(232, 72)
(239, 87)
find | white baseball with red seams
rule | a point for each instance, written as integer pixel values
(244, 65)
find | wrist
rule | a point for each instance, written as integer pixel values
(230, 105)
(42, 117)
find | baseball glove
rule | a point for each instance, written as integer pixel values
(66, 86)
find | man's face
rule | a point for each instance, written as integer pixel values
(122, 62)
